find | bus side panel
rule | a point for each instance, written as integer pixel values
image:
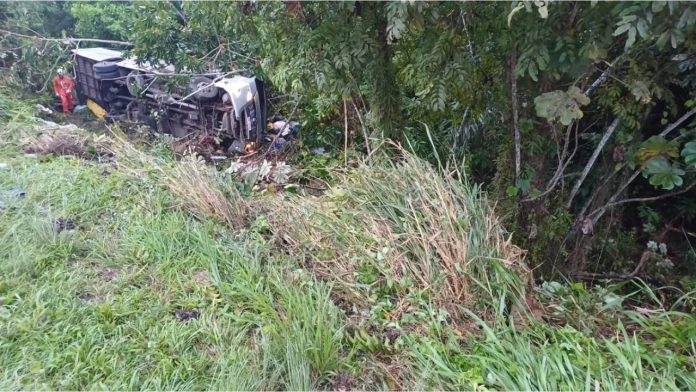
(88, 85)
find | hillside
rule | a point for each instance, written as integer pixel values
(351, 195)
(125, 266)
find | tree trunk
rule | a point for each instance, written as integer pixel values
(384, 101)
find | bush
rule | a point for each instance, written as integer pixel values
(399, 227)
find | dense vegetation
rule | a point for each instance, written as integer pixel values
(578, 120)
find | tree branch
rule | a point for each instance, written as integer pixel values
(677, 123)
(362, 126)
(602, 78)
(653, 198)
(515, 116)
(562, 166)
(67, 41)
(599, 212)
(468, 39)
(610, 131)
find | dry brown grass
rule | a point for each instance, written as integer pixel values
(60, 141)
(201, 189)
(407, 220)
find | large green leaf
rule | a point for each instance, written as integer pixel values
(689, 153)
(563, 106)
(656, 146)
(661, 173)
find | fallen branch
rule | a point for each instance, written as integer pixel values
(605, 138)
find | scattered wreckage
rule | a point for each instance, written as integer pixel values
(228, 109)
(231, 109)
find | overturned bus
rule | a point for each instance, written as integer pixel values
(231, 109)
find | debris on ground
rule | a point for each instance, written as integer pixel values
(50, 125)
(186, 314)
(64, 224)
(61, 140)
(260, 172)
(281, 132)
(56, 141)
(204, 146)
(41, 109)
(318, 151)
(15, 192)
(79, 108)
(285, 127)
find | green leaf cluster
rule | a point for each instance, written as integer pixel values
(561, 106)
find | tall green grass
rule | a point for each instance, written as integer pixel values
(416, 231)
(557, 358)
(94, 307)
(398, 278)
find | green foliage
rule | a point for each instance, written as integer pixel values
(118, 278)
(656, 146)
(562, 106)
(27, 64)
(689, 153)
(662, 173)
(572, 357)
(105, 19)
(286, 303)
(661, 22)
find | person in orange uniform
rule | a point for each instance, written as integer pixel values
(63, 86)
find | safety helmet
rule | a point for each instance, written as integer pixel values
(61, 71)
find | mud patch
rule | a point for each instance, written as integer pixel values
(343, 382)
(86, 297)
(108, 274)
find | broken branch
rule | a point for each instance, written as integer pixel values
(605, 138)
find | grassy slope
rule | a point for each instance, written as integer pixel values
(96, 307)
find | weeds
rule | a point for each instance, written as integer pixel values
(202, 191)
(415, 229)
(149, 273)
(56, 141)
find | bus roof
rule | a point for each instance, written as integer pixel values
(98, 54)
